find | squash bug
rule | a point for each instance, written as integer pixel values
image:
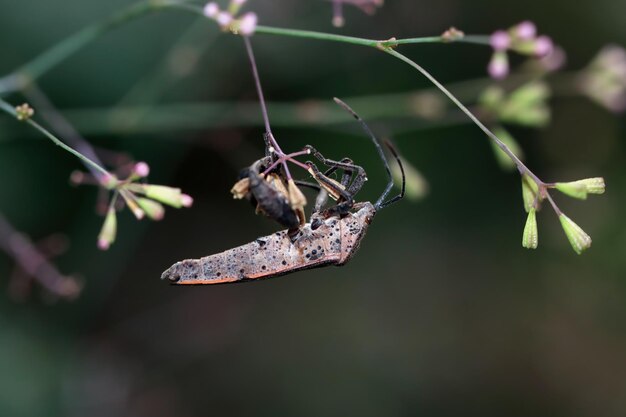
(331, 238)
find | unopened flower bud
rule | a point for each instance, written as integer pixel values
(248, 23)
(499, 65)
(530, 238)
(24, 112)
(580, 189)
(530, 193)
(543, 46)
(186, 200)
(153, 210)
(525, 30)
(224, 19)
(130, 200)
(166, 195)
(141, 169)
(505, 162)
(211, 10)
(500, 41)
(577, 237)
(108, 231)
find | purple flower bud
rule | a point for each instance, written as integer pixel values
(141, 169)
(211, 10)
(543, 46)
(224, 19)
(526, 30)
(247, 24)
(500, 40)
(498, 66)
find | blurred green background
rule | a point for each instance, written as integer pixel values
(441, 313)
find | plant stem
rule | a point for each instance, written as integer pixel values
(49, 59)
(523, 169)
(6, 107)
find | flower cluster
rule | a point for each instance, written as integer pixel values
(604, 80)
(143, 200)
(521, 38)
(24, 112)
(527, 105)
(228, 20)
(533, 194)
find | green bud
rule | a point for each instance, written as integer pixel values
(530, 192)
(492, 97)
(153, 210)
(109, 230)
(531, 93)
(527, 105)
(167, 195)
(576, 236)
(580, 189)
(530, 238)
(503, 159)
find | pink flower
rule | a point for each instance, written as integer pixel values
(526, 30)
(543, 46)
(500, 40)
(248, 23)
(499, 65)
(211, 10)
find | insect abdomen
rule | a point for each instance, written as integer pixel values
(266, 257)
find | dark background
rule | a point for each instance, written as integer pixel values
(441, 312)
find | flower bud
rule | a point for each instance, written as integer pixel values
(130, 200)
(211, 10)
(109, 230)
(499, 65)
(141, 169)
(577, 237)
(166, 195)
(153, 210)
(247, 24)
(530, 238)
(525, 30)
(502, 158)
(500, 41)
(24, 112)
(530, 193)
(580, 189)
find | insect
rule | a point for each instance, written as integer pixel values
(332, 236)
(271, 196)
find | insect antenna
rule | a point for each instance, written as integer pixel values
(394, 152)
(380, 203)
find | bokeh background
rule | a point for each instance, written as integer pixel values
(441, 313)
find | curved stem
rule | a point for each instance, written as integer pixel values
(523, 169)
(49, 59)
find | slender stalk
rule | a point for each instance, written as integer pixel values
(266, 120)
(65, 129)
(52, 57)
(523, 169)
(6, 107)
